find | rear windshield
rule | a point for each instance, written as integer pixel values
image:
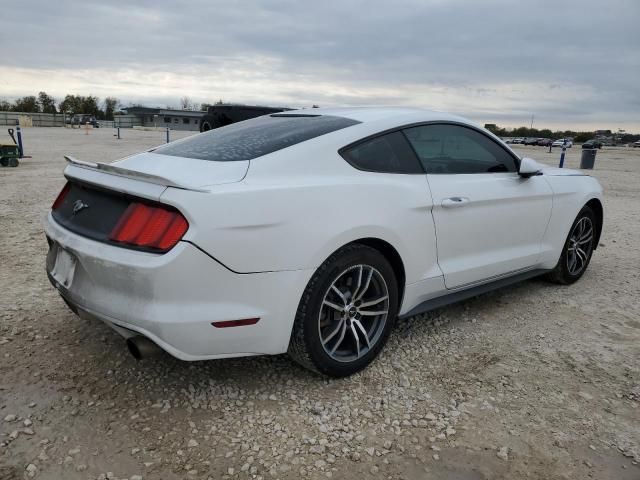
(256, 137)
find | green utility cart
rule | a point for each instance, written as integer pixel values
(9, 154)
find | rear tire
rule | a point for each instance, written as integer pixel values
(346, 312)
(577, 250)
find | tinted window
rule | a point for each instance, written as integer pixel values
(456, 149)
(253, 138)
(390, 153)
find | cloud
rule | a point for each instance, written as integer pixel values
(569, 63)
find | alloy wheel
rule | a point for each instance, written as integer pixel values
(580, 246)
(354, 312)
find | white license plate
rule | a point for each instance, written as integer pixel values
(64, 267)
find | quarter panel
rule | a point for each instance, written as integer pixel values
(278, 220)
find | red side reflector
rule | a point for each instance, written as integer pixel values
(235, 323)
(61, 195)
(150, 226)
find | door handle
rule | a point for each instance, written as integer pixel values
(454, 202)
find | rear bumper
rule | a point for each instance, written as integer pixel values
(173, 298)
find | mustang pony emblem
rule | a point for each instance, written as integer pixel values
(78, 206)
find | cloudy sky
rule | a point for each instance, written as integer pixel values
(573, 64)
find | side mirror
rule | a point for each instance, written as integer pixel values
(529, 167)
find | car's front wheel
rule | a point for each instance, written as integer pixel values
(346, 312)
(577, 250)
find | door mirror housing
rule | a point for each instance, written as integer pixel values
(529, 167)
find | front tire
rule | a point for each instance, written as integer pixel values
(346, 313)
(577, 250)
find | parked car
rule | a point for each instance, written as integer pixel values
(544, 142)
(563, 142)
(517, 141)
(310, 233)
(636, 144)
(530, 141)
(220, 115)
(592, 144)
(512, 140)
(83, 119)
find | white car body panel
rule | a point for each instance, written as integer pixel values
(259, 229)
(490, 204)
(138, 291)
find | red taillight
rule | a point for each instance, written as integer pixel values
(156, 227)
(61, 195)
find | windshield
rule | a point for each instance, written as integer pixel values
(254, 138)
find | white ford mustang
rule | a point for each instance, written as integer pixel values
(309, 232)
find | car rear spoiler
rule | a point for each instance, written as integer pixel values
(123, 172)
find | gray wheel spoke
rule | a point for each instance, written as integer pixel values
(366, 286)
(334, 332)
(586, 240)
(588, 234)
(373, 302)
(355, 336)
(582, 255)
(372, 314)
(364, 332)
(340, 294)
(339, 341)
(333, 305)
(572, 261)
(354, 294)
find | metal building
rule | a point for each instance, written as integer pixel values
(159, 117)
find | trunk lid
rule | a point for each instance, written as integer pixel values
(187, 173)
(98, 194)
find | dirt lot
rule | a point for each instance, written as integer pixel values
(533, 381)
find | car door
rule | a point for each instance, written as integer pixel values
(489, 221)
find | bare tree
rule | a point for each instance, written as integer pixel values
(186, 103)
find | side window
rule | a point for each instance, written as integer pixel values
(457, 149)
(390, 153)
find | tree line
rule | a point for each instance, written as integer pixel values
(578, 137)
(72, 104)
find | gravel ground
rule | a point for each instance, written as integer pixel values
(532, 381)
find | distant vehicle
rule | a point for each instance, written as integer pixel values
(593, 143)
(83, 119)
(544, 142)
(530, 141)
(566, 142)
(221, 115)
(636, 144)
(517, 140)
